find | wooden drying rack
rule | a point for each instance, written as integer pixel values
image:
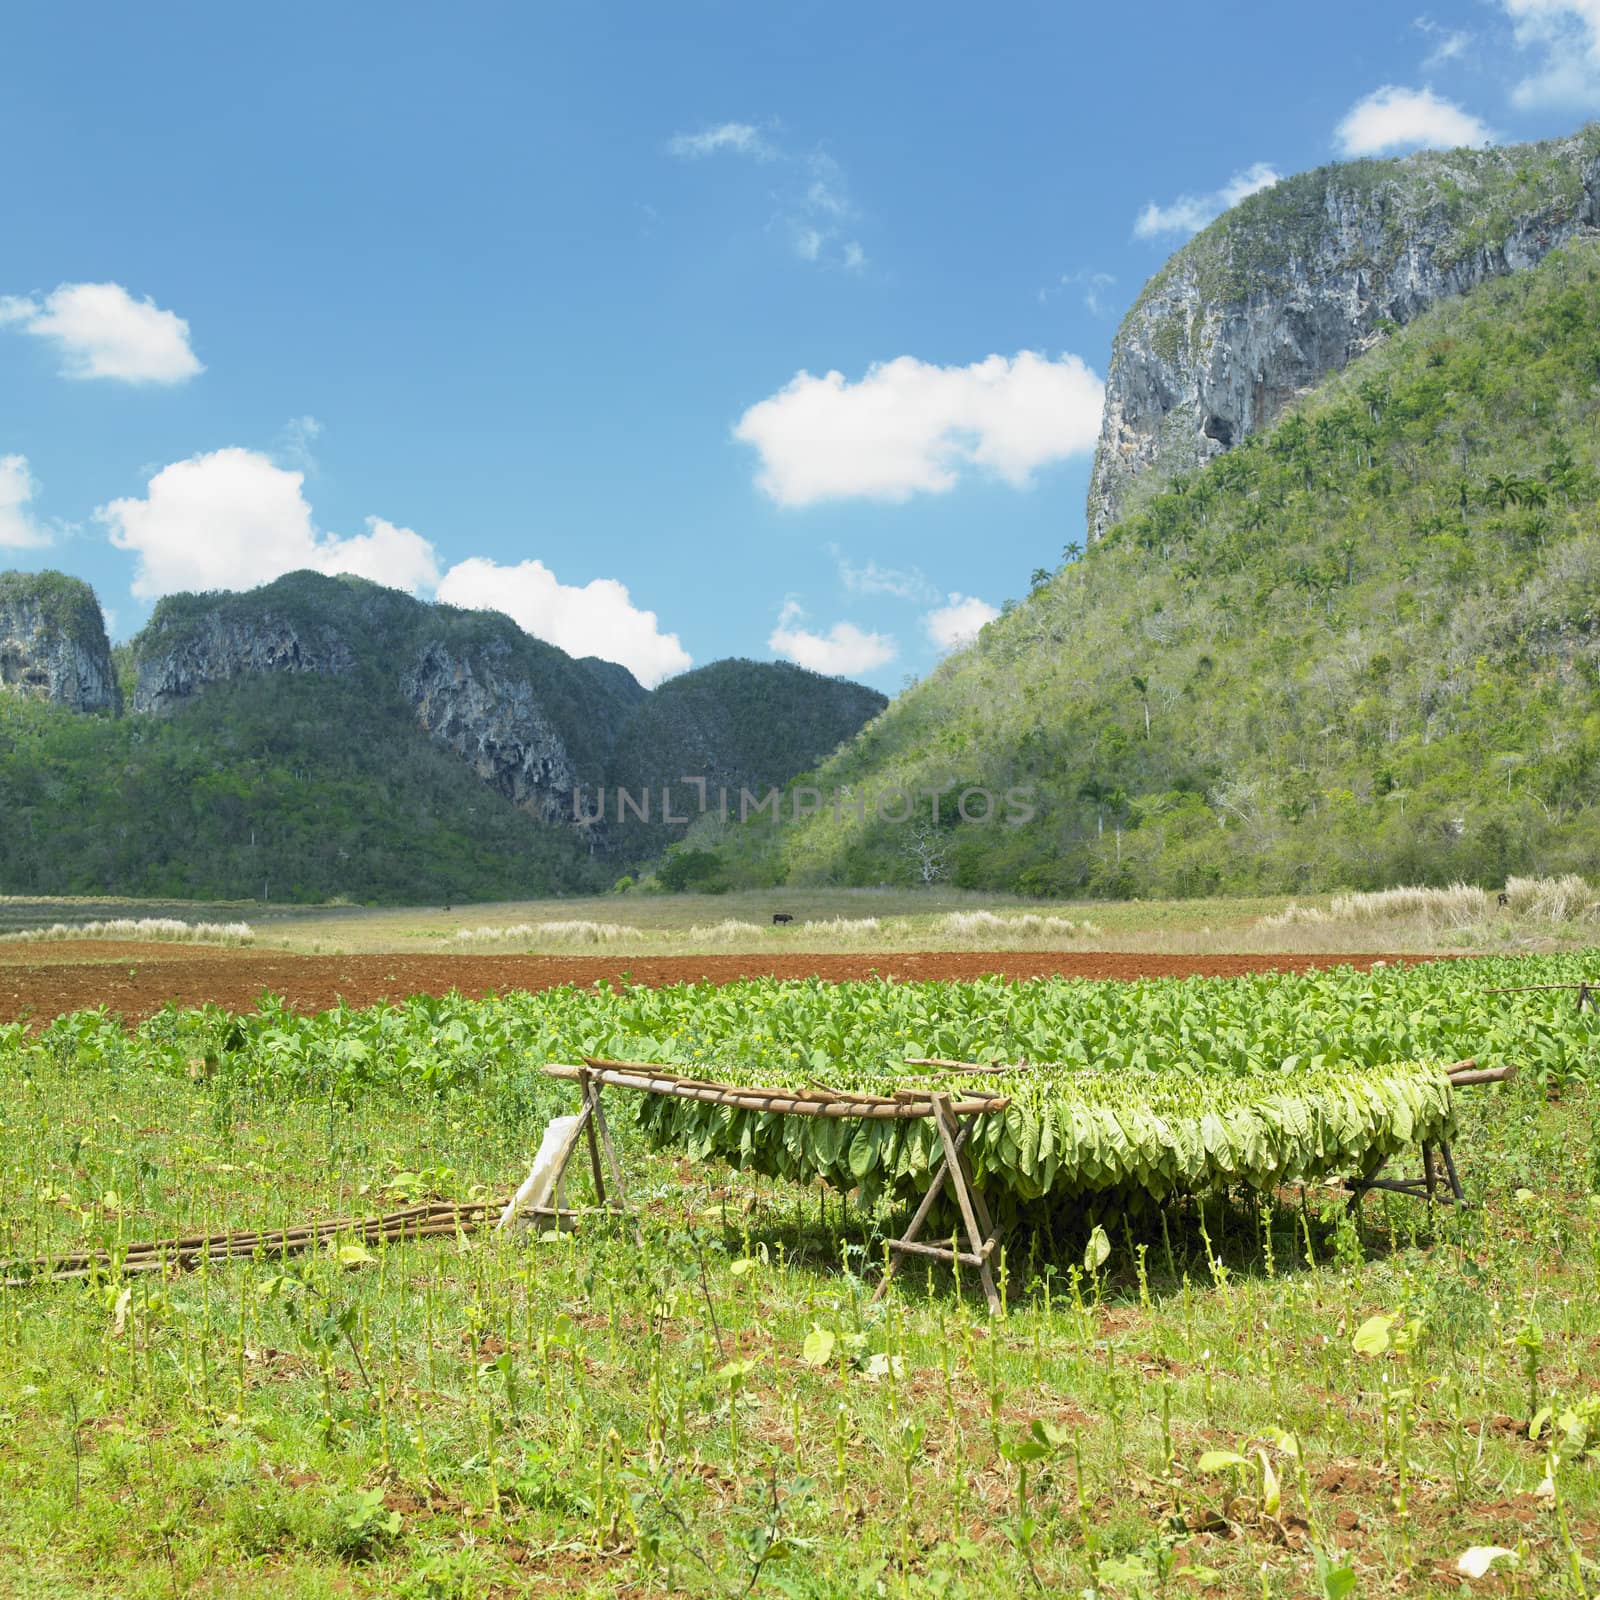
(1586, 991)
(1427, 1187)
(953, 1116)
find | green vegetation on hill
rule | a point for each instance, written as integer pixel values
(235, 776)
(737, 724)
(66, 605)
(385, 630)
(1363, 648)
(298, 786)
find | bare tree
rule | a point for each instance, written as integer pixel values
(929, 853)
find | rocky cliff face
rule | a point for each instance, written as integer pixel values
(217, 648)
(490, 716)
(1297, 280)
(535, 725)
(53, 642)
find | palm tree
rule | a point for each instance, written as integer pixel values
(1330, 434)
(1563, 473)
(1143, 687)
(1347, 548)
(1096, 791)
(1291, 436)
(1497, 490)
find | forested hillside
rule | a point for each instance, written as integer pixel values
(734, 724)
(1359, 649)
(297, 788)
(326, 737)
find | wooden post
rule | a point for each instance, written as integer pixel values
(907, 1240)
(591, 1105)
(961, 1181)
(1450, 1167)
(954, 1171)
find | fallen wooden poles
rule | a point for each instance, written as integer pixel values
(427, 1221)
(954, 1119)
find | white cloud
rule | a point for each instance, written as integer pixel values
(101, 331)
(296, 441)
(18, 529)
(957, 623)
(812, 210)
(398, 558)
(593, 619)
(909, 427)
(1093, 285)
(1189, 213)
(233, 520)
(844, 650)
(1451, 42)
(817, 215)
(873, 579)
(1395, 118)
(734, 138)
(1567, 35)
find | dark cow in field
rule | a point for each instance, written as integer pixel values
(781, 916)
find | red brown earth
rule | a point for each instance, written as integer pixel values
(136, 979)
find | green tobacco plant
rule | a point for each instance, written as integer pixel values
(1088, 1140)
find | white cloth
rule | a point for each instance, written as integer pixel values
(549, 1170)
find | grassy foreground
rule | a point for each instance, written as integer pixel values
(1212, 1408)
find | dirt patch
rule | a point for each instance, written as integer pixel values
(137, 980)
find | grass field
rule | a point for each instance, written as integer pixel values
(843, 920)
(1210, 1409)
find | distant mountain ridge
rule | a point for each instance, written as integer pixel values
(1360, 648)
(339, 688)
(1299, 279)
(53, 644)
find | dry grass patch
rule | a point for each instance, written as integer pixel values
(153, 929)
(984, 927)
(729, 930)
(563, 933)
(848, 928)
(1568, 898)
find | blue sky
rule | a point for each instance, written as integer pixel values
(537, 306)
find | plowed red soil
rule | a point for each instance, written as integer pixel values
(136, 980)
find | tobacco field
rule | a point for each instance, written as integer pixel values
(1245, 1389)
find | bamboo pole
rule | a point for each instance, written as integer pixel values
(430, 1220)
(762, 1098)
(1531, 988)
(1467, 1074)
